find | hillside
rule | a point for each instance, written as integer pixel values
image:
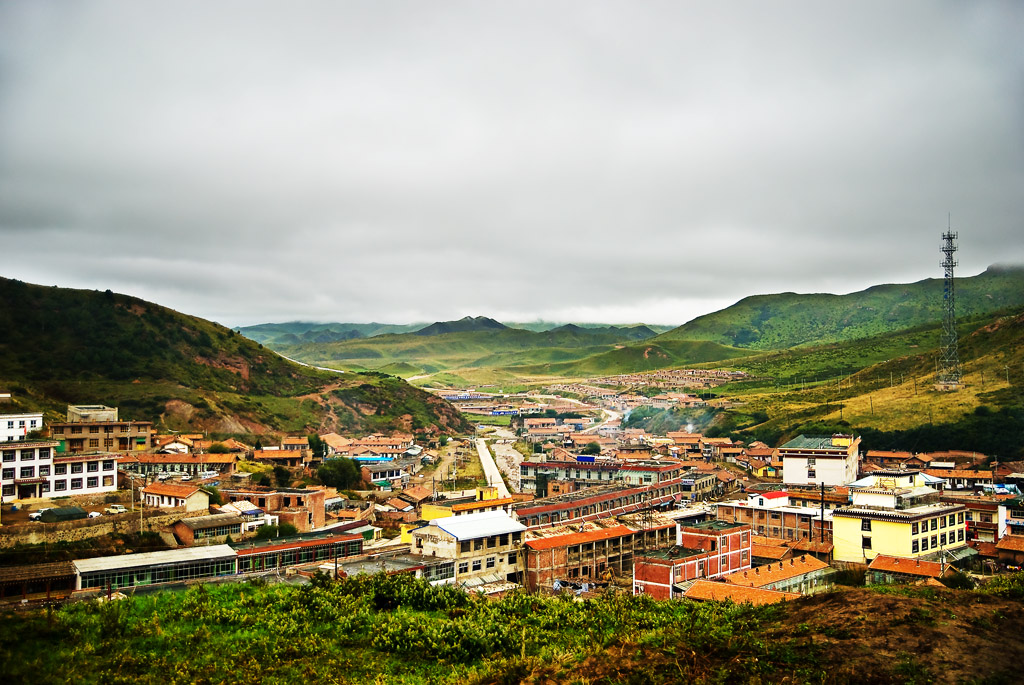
(787, 320)
(396, 629)
(296, 332)
(76, 346)
(490, 349)
(464, 325)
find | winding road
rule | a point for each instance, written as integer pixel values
(491, 471)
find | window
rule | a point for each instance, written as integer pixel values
(28, 455)
(124, 429)
(865, 542)
(92, 482)
(935, 541)
(45, 487)
(960, 517)
(108, 429)
(744, 558)
(924, 544)
(477, 564)
(865, 524)
(915, 547)
(94, 429)
(492, 541)
(935, 524)
(10, 455)
(60, 469)
(93, 466)
(10, 424)
(108, 465)
(94, 442)
(913, 529)
(57, 430)
(942, 521)
(44, 471)
(76, 483)
(76, 430)
(8, 490)
(952, 519)
(108, 443)
(28, 471)
(512, 559)
(21, 424)
(812, 473)
(503, 540)
(8, 474)
(479, 544)
(960, 536)
(76, 468)
(464, 567)
(464, 546)
(108, 481)
(490, 562)
(44, 453)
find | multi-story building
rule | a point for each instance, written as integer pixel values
(987, 516)
(804, 575)
(484, 546)
(36, 469)
(704, 550)
(772, 515)
(95, 428)
(17, 426)
(896, 513)
(832, 460)
(586, 471)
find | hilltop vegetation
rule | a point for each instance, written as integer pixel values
(396, 629)
(64, 346)
(766, 322)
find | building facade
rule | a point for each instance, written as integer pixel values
(16, 427)
(35, 469)
(484, 546)
(813, 460)
(705, 550)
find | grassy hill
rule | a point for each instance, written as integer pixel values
(65, 346)
(495, 349)
(396, 629)
(787, 320)
(884, 388)
(296, 332)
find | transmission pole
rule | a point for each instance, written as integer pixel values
(949, 375)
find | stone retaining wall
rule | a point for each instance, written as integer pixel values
(38, 532)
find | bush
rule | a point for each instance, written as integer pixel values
(287, 530)
(267, 532)
(283, 476)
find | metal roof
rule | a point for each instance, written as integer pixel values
(484, 524)
(173, 556)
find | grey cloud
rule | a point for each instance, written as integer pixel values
(400, 161)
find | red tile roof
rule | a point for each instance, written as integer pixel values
(183, 491)
(578, 538)
(773, 573)
(1012, 543)
(770, 552)
(720, 592)
(910, 567)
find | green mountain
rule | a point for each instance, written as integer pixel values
(764, 322)
(64, 346)
(297, 332)
(417, 354)
(463, 325)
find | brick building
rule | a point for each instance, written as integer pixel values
(302, 508)
(704, 550)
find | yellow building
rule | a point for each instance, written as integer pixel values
(897, 513)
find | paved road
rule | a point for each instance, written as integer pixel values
(610, 416)
(490, 468)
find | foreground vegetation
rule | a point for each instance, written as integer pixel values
(396, 629)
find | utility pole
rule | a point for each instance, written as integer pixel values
(821, 523)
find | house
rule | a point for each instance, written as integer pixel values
(885, 570)
(832, 460)
(898, 513)
(959, 479)
(987, 515)
(177, 464)
(301, 507)
(770, 513)
(805, 575)
(91, 428)
(703, 550)
(485, 546)
(168, 496)
(253, 518)
(16, 427)
(37, 468)
(212, 529)
(1010, 550)
(708, 591)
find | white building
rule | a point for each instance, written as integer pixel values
(35, 469)
(813, 460)
(484, 546)
(18, 426)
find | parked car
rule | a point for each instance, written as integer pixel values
(94, 514)
(187, 476)
(37, 515)
(113, 509)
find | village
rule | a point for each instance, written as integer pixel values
(567, 501)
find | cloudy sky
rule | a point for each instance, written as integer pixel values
(576, 161)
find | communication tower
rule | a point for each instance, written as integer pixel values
(949, 374)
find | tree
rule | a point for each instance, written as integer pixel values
(340, 472)
(443, 440)
(219, 448)
(266, 532)
(260, 479)
(283, 476)
(318, 446)
(592, 448)
(214, 493)
(258, 445)
(286, 530)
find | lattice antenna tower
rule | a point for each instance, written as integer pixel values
(949, 361)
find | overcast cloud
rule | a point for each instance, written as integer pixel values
(588, 161)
